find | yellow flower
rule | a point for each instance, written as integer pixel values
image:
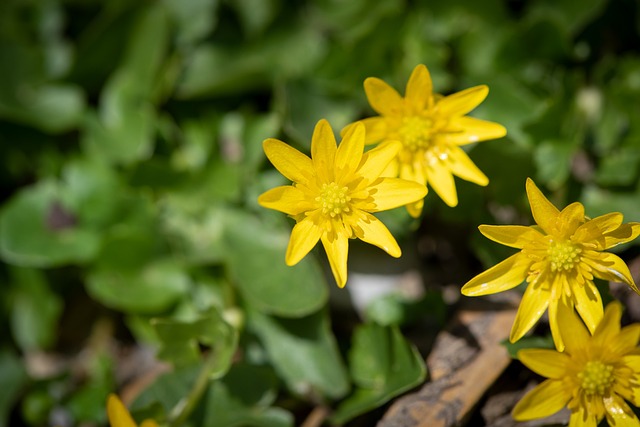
(334, 193)
(432, 128)
(593, 377)
(559, 259)
(119, 415)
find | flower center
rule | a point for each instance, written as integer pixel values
(596, 378)
(563, 256)
(333, 199)
(416, 132)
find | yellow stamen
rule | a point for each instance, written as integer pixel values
(333, 199)
(596, 378)
(416, 132)
(563, 256)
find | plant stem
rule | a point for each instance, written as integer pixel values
(186, 405)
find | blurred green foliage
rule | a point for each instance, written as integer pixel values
(130, 143)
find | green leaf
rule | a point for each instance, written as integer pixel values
(153, 288)
(129, 246)
(546, 41)
(36, 230)
(356, 19)
(507, 167)
(304, 102)
(383, 365)
(257, 129)
(52, 107)
(123, 131)
(528, 343)
(612, 124)
(27, 93)
(217, 69)
(14, 378)
(553, 159)
(87, 403)
(255, 259)
(599, 201)
(35, 310)
(243, 398)
(510, 103)
(196, 232)
(194, 18)
(196, 145)
(241, 137)
(571, 14)
(157, 400)
(256, 15)
(180, 340)
(396, 309)
(619, 168)
(303, 351)
(93, 190)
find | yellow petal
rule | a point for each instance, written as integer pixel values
(632, 361)
(149, 423)
(384, 99)
(407, 171)
(323, 150)
(462, 102)
(627, 340)
(618, 412)
(351, 149)
(501, 277)
(575, 335)
(415, 209)
(304, 236)
(291, 163)
(609, 326)
(468, 130)
(287, 199)
(611, 267)
(377, 234)
(117, 413)
(625, 233)
(515, 236)
(553, 323)
(594, 230)
(544, 400)
(337, 252)
(391, 193)
(581, 418)
(461, 165)
(548, 363)
(570, 218)
(376, 129)
(534, 303)
(634, 397)
(588, 304)
(544, 213)
(375, 161)
(419, 88)
(440, 179)
(393, 170)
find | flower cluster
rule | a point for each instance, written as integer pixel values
(593, 377)
(334, 193)
(595, 366)
(559, 259)
(432, 129)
